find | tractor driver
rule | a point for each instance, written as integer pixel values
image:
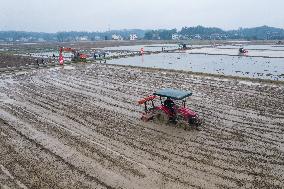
(170, 104)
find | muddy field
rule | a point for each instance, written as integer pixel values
(8, 60)
(79, 127)
(54, 46)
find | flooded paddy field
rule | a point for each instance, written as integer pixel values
(156, 47)
(265, 53)
(251, 67)
(262, 61)
(254, 47)
(79, 126)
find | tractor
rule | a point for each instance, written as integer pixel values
(172, 109)
(243, 51)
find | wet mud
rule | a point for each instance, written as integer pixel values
(80, 127)
(9, 60)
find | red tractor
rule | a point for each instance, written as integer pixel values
(171, 110)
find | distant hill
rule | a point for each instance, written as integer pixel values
(197, 32)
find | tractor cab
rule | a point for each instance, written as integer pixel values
(172, 107)
(172, 100)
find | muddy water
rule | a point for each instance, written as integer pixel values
(255, 47)
(79, 127)
(252, 67)
(156, 47)
(235, 52)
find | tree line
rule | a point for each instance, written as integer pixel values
(208, 33)
(197, 32)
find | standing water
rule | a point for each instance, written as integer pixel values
(252, 67)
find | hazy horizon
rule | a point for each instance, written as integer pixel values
(123, 29)
(95, 16)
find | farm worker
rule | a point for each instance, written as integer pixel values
(142, 51)
(170, 104)
(61, 59)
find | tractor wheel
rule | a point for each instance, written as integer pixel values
(195, 122)
(181, 122)
(198, 122)
(160, 117)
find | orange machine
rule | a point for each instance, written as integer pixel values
(76, 55)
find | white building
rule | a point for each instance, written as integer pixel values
(197, 36)
(133, 37)
(116, 37)
(175, 36)
(24, 39)
(82, 38)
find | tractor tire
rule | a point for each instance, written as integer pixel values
(181, 122)
(161, 117)
(196, 122)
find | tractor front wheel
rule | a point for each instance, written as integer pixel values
(196, 122)
(181, 122)
(160, 117)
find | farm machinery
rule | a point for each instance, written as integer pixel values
(172, 109)
(77, 57)
(243, 51)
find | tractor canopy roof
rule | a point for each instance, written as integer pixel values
(173, 94)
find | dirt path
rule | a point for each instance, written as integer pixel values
(80, 128)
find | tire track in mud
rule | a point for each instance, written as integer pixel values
(24, 163)
(242, 93)
(163, 157)
(38, 104)
(229, 114)
(25, 112)
(162, 149)
(80, 168)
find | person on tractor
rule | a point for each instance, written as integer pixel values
(169, 103)
(170, 109)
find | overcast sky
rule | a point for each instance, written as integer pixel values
(100, 15)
